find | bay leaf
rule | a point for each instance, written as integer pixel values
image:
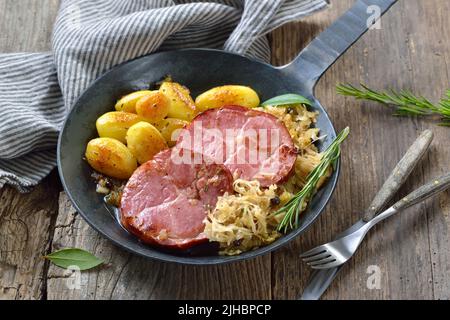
(74, 257)
(287, 99)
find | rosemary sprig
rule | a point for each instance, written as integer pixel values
(294, 207)
(405, 103)
(445, 107)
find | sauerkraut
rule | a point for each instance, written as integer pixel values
(244, 220)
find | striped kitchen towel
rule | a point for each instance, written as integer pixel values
(90, 37)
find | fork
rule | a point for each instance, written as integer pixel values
(337, 252)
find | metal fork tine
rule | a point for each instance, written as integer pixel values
(327, 265)
(313, 251)
(320, 256)
(322, 261)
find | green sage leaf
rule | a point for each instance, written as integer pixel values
(71, 257)
(287, 99)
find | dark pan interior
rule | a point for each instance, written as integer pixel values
(199, 70)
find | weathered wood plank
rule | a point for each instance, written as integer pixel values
(126, 276)
(26, 25)
(26, 219)
(25, 234)
(429, 43)
(411, 50)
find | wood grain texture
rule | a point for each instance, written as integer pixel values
(26, 219)
(411, 249)
(25, 233)
(26, 25)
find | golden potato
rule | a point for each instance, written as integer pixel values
(111, 157)
(227, 95)
(168, 128)
(181, 104)
(115, 124)
(144, 141)
(153, 107)
(128, 102)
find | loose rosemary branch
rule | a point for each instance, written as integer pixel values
(445, 107)
(294, 207)
(406, 103)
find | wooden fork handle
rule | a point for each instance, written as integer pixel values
(432, 188)
(399, 175)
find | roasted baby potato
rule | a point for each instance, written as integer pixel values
(168, 128)
(111, 157)
(144, 141)
(227, 95)
(128, 102)
(153, 107)
(115, 124)
(181, 104)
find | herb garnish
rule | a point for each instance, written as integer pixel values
(294, 207)
(405, 103)
(74, 257)
(287, 99)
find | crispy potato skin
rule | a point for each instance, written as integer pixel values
(146, 121)
(181, 104)
(153, 107)
(227, 95)
(111, 157)
(115, 124)
(168, 127)
(144, 141)
(128, 102)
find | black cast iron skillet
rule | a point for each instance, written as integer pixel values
(199, 70)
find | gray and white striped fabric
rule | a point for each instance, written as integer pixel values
(90, 37)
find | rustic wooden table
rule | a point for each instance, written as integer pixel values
(411, 251)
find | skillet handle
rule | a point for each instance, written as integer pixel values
(324, 50)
